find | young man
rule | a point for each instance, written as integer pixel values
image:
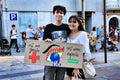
(57, 32)
(13, 36)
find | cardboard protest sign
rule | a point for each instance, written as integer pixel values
(53, 54)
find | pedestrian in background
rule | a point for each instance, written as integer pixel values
(41, 32)
(102, 36)
(13, 37)
(30, 32)
(116, 34)
(94, 37)
(37, 34)
(112, 32)
(98, 33)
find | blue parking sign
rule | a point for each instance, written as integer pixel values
(13, 16)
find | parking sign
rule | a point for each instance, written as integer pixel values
(13, 16)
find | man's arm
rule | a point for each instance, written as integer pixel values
(47, 33)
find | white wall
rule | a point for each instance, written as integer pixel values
(37, 5)
(44, 18)
(47, 17)
(90, 5)
(97, 19)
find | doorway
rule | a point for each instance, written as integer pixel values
(114, 22)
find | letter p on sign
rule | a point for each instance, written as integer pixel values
(13, 16)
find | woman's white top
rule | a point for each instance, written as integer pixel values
(116, 32)
(94, 34)
(82, 38)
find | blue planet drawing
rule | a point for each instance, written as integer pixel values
(55, 58)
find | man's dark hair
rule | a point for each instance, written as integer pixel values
(13, 25)
(29, 26)
(59, 8)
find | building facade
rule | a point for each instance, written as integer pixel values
(39, 13)
(113, 14)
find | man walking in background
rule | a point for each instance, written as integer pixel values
(13, 36)
(30, 33)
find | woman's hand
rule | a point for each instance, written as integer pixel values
(91, 60)
(76, 73)
(48, 40)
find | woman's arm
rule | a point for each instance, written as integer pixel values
(86, 50)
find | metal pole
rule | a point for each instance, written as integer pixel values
(105, 51)
(83, 12)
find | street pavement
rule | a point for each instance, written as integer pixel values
(13, 67)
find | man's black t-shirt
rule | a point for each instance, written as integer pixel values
(56, 33)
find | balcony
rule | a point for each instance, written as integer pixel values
(113, 4)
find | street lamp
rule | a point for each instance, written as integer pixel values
(83, 12)
(104, 12)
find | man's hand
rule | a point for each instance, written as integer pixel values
(48, 40)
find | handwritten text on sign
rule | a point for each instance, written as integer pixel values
(53, 54)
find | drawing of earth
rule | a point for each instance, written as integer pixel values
(54, 56)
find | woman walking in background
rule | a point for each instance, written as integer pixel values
(94, 37)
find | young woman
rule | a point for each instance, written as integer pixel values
(78, 36)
